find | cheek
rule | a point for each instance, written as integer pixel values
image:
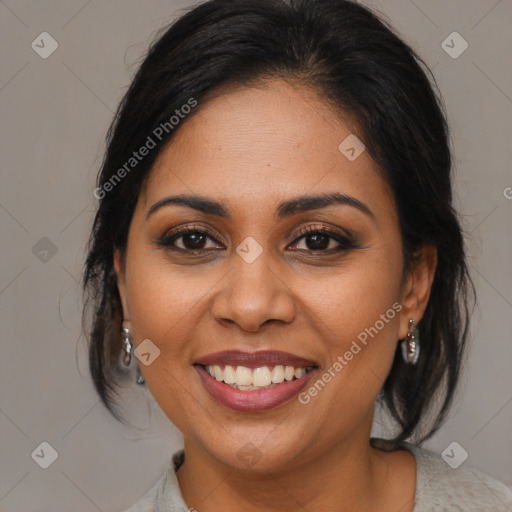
(354, 298)
(355, 316)
(358, 317)
(164, 306)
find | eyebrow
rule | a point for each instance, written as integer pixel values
(285, 209)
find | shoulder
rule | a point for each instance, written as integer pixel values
(148, 502)
(165, 495)
(440, 487)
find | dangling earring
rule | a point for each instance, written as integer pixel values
(411, 344)
(127, 346)
(140, 378)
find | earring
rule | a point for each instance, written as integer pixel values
(411, 344)
(140, 378)
(127, 346)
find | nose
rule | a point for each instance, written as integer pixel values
(253, 294)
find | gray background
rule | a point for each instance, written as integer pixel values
(54, 116)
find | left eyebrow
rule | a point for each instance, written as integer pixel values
(315, 202)
(285, 209)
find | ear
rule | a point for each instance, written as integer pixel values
(417, 287)
(121, 282)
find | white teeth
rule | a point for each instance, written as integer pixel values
(244, 378)
(300, 372)
(278, 374)
(289, 372)
(229, 375)
(261, 377)
(218, 373)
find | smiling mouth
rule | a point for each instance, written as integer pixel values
(244, 378)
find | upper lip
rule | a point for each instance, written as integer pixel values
(254, 359)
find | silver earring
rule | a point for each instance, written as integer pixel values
(140, 378)
(127, 348)
(411, 344)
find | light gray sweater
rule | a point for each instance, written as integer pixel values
(439, 488)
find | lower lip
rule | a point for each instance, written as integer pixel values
(255, 400)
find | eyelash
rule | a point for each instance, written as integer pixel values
(345, 242)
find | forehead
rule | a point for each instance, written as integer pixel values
(259, 145)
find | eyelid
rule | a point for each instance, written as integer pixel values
(333, 232)
(184, 229)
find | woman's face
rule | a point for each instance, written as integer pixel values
(254, 282)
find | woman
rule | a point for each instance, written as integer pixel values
(276, 251)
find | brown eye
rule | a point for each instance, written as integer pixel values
(193, 240)
(187, 240)
(324, 240)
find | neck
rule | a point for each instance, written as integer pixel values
(347, 477)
